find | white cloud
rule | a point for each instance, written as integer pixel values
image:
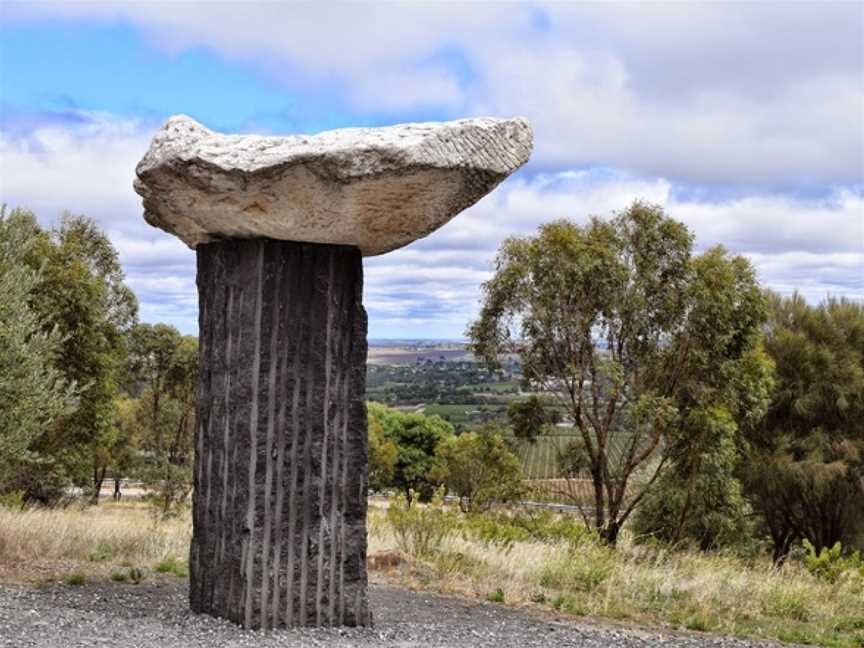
(763, 94)
(815, 246)
(430, 288)
(87, 166)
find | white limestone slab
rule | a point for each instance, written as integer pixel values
(375, 188)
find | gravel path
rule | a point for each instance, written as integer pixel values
(155, 615)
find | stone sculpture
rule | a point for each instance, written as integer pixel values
(280, 226)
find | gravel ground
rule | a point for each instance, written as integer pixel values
(156, 616)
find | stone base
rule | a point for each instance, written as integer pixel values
(279, 506)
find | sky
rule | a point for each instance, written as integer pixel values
(743, 120)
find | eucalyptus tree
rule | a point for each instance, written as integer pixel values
(633, 335)
(805, 468)
(79, 295)
(480, 468)
(416, 438)
(530, 418)
(163, 373)
(33, 391)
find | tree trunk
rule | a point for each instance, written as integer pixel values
(98, 479)
(279, 503)
(599, 502)
(609, 534)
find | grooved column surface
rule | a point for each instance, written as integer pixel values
(279, 506)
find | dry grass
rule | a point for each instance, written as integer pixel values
(648, 586)
(39, 545)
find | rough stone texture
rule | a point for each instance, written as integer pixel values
(279, 505)
(375, 188)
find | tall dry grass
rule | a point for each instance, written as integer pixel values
(109, 533)
(646, 585)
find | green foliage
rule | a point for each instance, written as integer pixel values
(830, 564)
(171, 565)
(33, 390)
(805, 462)
(163, 366)
(119, 576)
(416, 438)
(496, 597)
(103, 552)
(582, 569)
(531, 418)
(383, 454)
(480, 468)
(421, 530)
(76, 579)
(786, 602)
(718, 513)
(503, 529)
(78, 297)
(13, 501)
(493, 530)
(630, 333)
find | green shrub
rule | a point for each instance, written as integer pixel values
(14, 500)
(455, 562)
(786, 602)
(494, 530)
(501, 530)
(119, 576)
(103, 552)
(546, 526)
(172, 566)
(75, 579)
(496, 597)
(582, 569)
(829, 564)
(480, 468)
(420, 531)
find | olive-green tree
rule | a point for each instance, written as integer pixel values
(722, 394)
(416, 438)
(80, 294)
(164, 368)
(480, 468)
(33, 391)
(383, 454)
(530, 418)
(805, 468)
(615, 319)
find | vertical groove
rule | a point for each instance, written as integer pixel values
(231, 523)
(249, 556)
(285, 318)
(343, 482)
(226, 428)
(302, 287)
(268, 480)
(285, 306)
(326, 412)
(307, 473)
(336, 509)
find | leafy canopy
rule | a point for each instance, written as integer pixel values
(629, 331)
(480, 468)
(416, 437)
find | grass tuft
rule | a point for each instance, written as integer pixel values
(76, 579)
(171, 565)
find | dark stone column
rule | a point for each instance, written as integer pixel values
(279, 506)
